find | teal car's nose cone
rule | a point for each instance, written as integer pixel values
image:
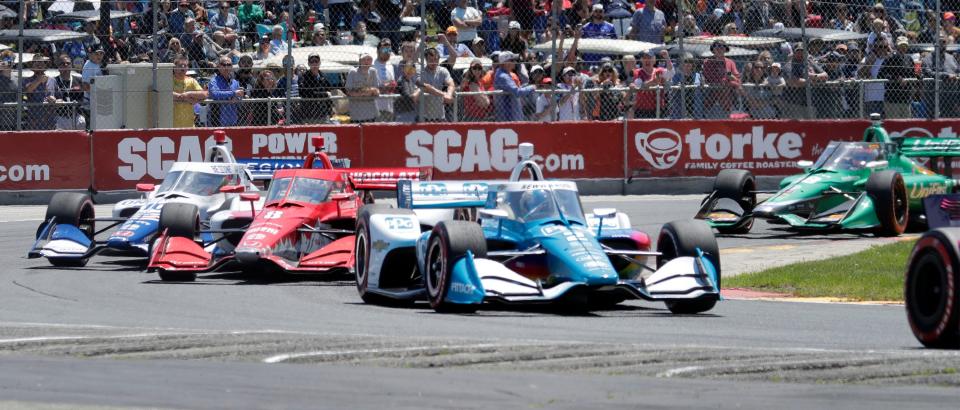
(573, 255)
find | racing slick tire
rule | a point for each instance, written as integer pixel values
(931, 290)
(180, 219)
(362, 246)
(683, 238)
(450, 241)
(738, 185)
(890, 201)
(71, 208)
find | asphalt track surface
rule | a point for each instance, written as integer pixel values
(110, 335)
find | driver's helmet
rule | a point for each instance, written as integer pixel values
(531, 201)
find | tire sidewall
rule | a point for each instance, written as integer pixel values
(936, 246)
(437, 292)
(362, 258)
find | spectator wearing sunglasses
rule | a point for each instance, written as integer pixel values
(476, 107)
(225, 20)
(66, 88)
(226, 91)
(179, 16)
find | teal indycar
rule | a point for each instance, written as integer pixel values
(531, 243)
(875, 185)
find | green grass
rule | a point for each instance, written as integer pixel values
(875, 274)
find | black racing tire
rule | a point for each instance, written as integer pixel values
(180, 219)
(362, 246)
(738, 185)
(72, 208)
(465, 214)
(176, 276)
(683, 238)
(890, 201)
(931, 289)
(450, 241)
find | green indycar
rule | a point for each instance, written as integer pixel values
(874, 185)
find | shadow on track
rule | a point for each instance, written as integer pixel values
(264, 279)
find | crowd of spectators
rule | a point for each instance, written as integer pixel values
(226, 72)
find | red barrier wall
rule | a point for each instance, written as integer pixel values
(44, 160)
(489, 150)
(703, 148)
(662, 148)
(124, 157)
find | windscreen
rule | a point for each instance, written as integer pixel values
(526, 206)
(848, 156)
(196, 183)
(302, 190)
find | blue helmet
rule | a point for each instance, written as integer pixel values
(532, 201)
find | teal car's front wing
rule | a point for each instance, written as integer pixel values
(478, 280)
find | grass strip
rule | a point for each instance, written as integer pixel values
(875, 274)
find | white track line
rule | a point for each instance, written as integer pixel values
(59, 338)
(284, 357)
(678, 371)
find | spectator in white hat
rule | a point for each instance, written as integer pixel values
(363, 86)
(507, 105)
(514, 42)
(319, 36)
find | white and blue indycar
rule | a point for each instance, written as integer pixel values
(530, 243)
(67, 236)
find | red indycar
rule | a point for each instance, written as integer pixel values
(303, 225)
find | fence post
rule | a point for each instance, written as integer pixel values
(683, 88)
(421, 56)
(289, 66)
(860, 98)
(554, 58)
(455, 107)
(659, 96)
(806, 60)
(156, 47)
(21, 18)
(937, 67)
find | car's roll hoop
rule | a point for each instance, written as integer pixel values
(526, 163)
(220, 152)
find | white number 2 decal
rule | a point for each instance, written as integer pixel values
(273, 215)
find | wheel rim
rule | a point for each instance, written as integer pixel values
(668, 250)
(749, 199)
(85, 223)
(360, 264)
(435, 268)
(927, 292)
(900, 203)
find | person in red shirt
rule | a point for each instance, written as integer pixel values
(723, 80)
(476, 107)
(650, 76)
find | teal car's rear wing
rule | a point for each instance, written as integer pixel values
(912, 147)
(443, 194)
(930, 147)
